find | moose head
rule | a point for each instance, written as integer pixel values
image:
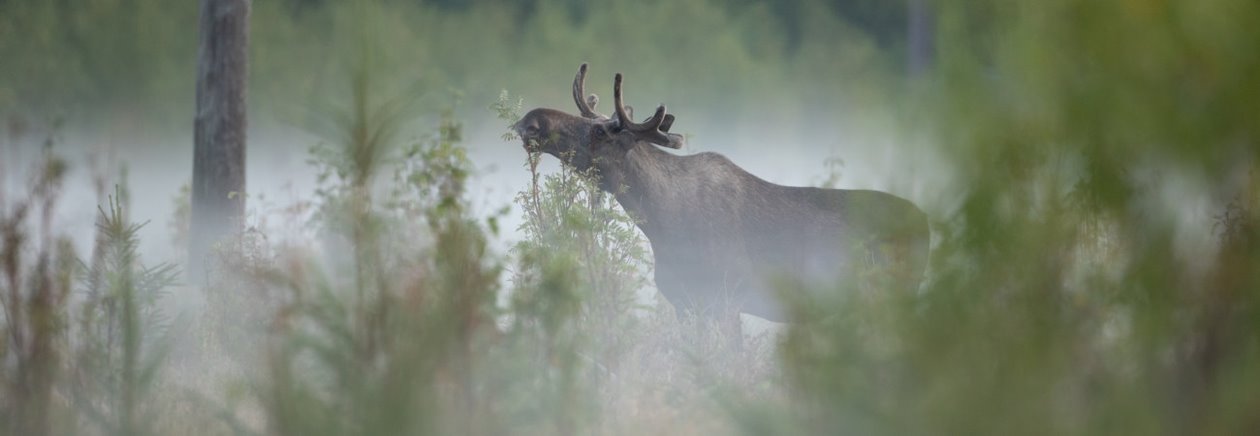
(593, 140)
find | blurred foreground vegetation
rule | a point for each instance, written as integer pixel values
(1096, 262)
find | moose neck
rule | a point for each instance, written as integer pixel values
(645, 191)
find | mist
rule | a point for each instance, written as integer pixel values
(1088, 171)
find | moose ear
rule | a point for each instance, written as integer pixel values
(603, 130)
(675, 141)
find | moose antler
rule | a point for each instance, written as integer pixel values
(587, 105)
(654, 129)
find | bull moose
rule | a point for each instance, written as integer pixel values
(720, 235)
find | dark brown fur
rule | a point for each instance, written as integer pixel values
(719, 234)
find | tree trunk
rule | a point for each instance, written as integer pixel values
(218, 184)
(920, 37)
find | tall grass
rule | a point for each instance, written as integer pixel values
(84, 339)
(38, 271)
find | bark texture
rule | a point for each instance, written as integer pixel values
(920, 37)
(218, 185)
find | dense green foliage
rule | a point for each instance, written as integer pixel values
(1097, 269)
